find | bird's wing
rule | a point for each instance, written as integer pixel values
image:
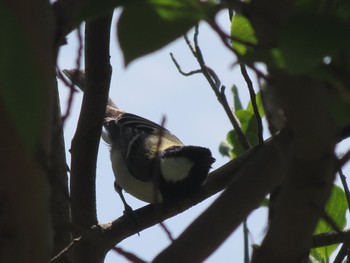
(138, 140)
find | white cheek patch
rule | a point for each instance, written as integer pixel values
(106, 137)
(175, 168)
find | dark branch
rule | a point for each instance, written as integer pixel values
(129, 256)
(345, 186)
(86, 139)
(330, 238)
(233, 205)
(108, 235)
(192, 72)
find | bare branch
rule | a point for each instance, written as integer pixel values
(330, 238)
(167, 231)
(190, 46)
(129, 256)
(216, 86)
(66, 250)
(345, 186)
(192, 72)
(106, 236)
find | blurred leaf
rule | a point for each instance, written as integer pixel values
(237, 148)
(259, 104)
(18, 77)
(249, 126)
(224, 149)
(242, 30)
(236, 100)
(309, 37)
(147, 26)
(336, 208)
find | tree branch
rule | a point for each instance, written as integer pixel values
(58, 179)
(233, 206)
(106, 236)
(86, 139)
(331, 238)
(215, 85)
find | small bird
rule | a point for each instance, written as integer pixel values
(149, 162)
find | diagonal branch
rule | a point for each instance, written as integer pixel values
(247, 165)
(233, 206)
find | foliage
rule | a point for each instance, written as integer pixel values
(247, 119)
(19, 80)
(336, 208)
(147, 26)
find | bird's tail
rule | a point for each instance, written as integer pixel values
(77, 77)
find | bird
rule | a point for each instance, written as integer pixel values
(149, 162)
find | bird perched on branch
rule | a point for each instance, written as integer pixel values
(148, 161)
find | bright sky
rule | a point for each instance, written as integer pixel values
(152, 87)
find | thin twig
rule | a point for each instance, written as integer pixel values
(71, 86)
(246, 241)
(64, 251)
(192, 72)
(189, 44)
(129, 256)
(253, 101)
(167, 231)
(341, 254)
(345, 186)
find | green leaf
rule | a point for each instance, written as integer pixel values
(18, 77)
(259, 104)
(242, 31)
(315, 257)
(236, 100)
(237, 148)
(336, 208)
(249, 128)
(146, 26)
(309, 37)
(224, 149)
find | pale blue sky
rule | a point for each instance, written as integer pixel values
(152, 87)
